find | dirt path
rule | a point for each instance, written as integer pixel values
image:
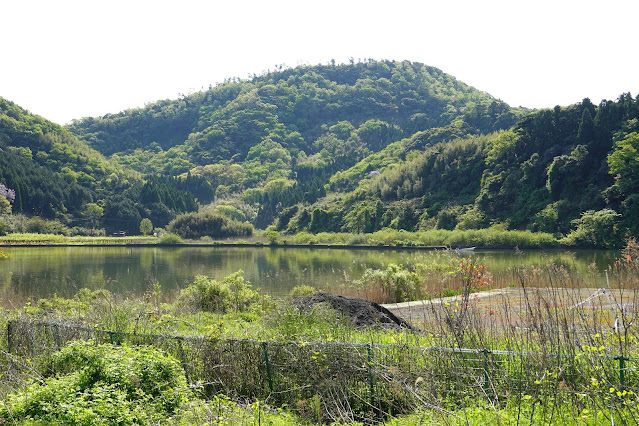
(511, 306)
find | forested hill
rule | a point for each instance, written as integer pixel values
(48, 169)
(275, 140)
(354, 148)
(345, 112)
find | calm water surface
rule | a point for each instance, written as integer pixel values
(43, 271)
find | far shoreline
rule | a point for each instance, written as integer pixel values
(459, 249)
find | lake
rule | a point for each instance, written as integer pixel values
(36, 272)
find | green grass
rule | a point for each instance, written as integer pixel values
(56, 239)
(31, 238)
(491, 237)
(524, 413)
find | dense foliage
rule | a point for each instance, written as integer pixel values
(284, 138)
(208, 224)
(92, 384)
(232, 294)
(559, 171)
(344, 109)
(47, 172)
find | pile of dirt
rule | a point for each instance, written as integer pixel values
(363, 313)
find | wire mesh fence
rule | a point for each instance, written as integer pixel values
(347, 381)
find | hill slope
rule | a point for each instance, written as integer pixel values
(277, 139)
(56, 176)
(570, 171)
(295, 107)
(51, 172)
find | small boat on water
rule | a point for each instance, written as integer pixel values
(465, 249)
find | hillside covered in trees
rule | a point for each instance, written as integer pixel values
(59, 184)
(568, 171)
(354, 148)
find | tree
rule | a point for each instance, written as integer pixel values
(342, 130)
(595, 228)
(121, 214)
(586, 131)
(5, 206)
(146, 227)
(624, 163)
(8, 194)
(94, 213)
(207, 223)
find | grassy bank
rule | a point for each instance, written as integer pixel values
(487, 238)
(56, 239)
(434, 238)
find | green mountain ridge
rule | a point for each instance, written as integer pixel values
(304, 99)
(353, 148)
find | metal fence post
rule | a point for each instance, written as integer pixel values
(56, 335)
(622, 367)
(268, 366)
(181, 351)
(9, 337)
(371, 379)
(486, 377)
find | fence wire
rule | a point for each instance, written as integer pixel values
(352, 381)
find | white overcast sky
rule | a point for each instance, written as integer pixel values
(69, 59)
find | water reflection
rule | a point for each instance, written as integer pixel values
(43, 271)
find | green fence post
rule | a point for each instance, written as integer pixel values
(268, 366)
(111, 337)
(56, 335)
(30, 342)
(486, 386)
(184, 365)
(622, 367)
(371, 379)
(9, 332)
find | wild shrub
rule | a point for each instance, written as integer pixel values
(88, 232)
(232, 294)
(38, 225)
(271, 235)
(92, 384)
(595, 229)
(357, 239)
(56, 306)
(169, 238)
(396, 283)
(303, 290)
(213, 224)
